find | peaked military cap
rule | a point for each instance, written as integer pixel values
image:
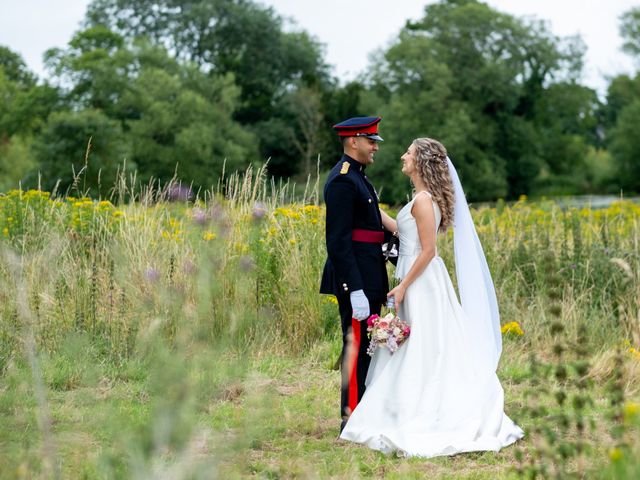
(359, 127)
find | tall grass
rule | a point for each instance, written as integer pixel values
(180, 299)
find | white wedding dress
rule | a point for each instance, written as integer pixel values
(438, 394)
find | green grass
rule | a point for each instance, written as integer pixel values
(222, 415)
(172, 340)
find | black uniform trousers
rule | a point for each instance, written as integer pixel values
(355, 360)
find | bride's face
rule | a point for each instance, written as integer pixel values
(409, 161)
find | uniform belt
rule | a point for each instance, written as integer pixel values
(367, 236)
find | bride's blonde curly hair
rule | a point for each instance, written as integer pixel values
(431, 162)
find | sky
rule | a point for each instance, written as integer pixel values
(350, 29)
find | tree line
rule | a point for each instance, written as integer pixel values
(196, 88)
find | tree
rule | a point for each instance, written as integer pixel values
(180, 127)
(24, 107)
(622, 90)
(16, 160)
(622, 111)
(97, 66)
(473, 78)
(238, 37)
(305, 103)
(171, 113)
(14, 68)
(73, 142)
(568, 115)
(630, 31)
(625, 147)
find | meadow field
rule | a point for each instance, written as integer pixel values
(150, 336)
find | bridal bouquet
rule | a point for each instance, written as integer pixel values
(388, 331)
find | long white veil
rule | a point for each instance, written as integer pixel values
(477, 293)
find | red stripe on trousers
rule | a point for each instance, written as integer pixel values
(353, 380)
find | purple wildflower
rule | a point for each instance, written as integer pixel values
(259, 211)
(179, 193)
(152, 274)
(199, 216)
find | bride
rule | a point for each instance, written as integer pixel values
(439, 393)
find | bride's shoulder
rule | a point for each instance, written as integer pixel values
(421, 202)
(422, 198)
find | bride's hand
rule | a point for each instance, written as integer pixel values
(398, 294)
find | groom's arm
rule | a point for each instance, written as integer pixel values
(339, 199)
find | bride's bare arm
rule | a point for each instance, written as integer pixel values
(422, 211)
(387, 222)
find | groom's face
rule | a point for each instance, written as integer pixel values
(365, 148)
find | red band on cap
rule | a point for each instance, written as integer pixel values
(351, 132)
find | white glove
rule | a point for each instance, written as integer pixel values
(360, 305)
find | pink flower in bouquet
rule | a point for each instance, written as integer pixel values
(389, 332)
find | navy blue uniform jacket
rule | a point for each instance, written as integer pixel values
(352, 203)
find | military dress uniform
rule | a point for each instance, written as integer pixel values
(354, 234)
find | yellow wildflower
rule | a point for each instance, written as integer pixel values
(615, 454)
(634, 353)
(311, 209)
(292, 241)
(5, 232)
(241, 247)
(31, 193)
(208, 236)
(512, 327)
(631, 410)
(287, 212)
(118, 214)
(331, 299)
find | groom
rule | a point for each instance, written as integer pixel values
(355, 270)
